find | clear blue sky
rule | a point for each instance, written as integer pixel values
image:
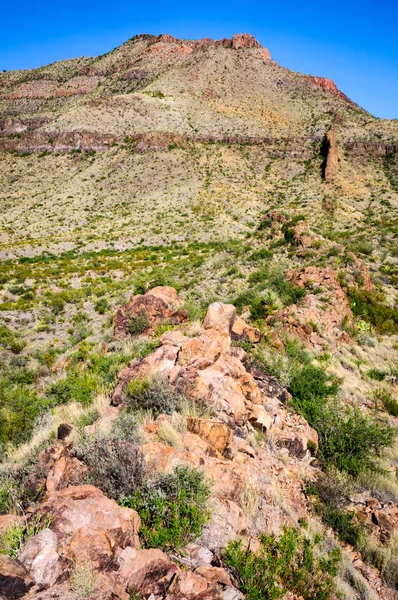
(354, 42)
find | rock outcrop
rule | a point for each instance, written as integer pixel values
(308, 320)
(330, 155)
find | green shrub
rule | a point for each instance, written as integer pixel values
(75, 387)
(13, 538)
(101, 306)
(349, 439)
(288, 564)
(333, 487)
(173, 508)
(345, 523)
(311, 387)
(260, 254)
(154, 395)
(376, 374)
(390, 404)
(20, 407)
(57, 305)
(138, 324)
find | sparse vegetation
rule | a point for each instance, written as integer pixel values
(289, 563)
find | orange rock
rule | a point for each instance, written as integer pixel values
(89, 526)
(217, 434)
(242, 331)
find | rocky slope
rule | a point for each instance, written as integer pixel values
(258, 402)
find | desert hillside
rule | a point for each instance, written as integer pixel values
(198, 330)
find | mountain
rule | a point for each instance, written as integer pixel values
(198, 330)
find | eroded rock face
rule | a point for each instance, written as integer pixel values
(331, 155)
(328, 85)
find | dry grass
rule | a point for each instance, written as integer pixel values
(168, 435)
(250, 499)
(82, 579)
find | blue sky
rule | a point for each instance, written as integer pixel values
(353, 42)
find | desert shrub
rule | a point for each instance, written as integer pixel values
(289, 293)
(390, 404)
(333, 487)
(138, 323)
(173, 508)
(13, 537)
(57, 305)
(288, 564)
(376, 374)
(350, 440)
(297, 351)
(20, 407)
(361, 246)
(260, 254)
(154, 395)
(126, 428)
(311, 387)
(168, 434)
(75, 387)
(101, 306)
(371, 307)
(11, 340)
(115, 466)
(344, 522)
(9, 493)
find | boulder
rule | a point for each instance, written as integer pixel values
(41, 559)
(168, 295)
(89, 526)
(64, 430)
(260, 418)
(220, 316)
(214, 574)
(66, 470)
(15, 580)
(159, 362)
(149, 571)
(190, 586)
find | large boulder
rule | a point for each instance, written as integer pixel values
(156, 306)
(89, 526)
(242, 331)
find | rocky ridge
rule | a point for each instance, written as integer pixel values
(254, 490)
